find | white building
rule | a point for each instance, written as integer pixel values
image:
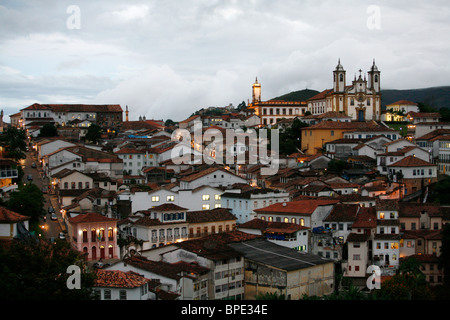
(243, 204)
(361, 100)
(201, 198)
(121, 285)
(136, 159)
(386, 242)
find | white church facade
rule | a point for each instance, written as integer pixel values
(361, 100)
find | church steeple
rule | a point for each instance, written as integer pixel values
(339, 78)
(256, 92)
(374, 78)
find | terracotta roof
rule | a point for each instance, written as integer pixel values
(214, 247)
(408, 209)
(301, 207)
(332, 114)
(402, 102)
(197, 175)
(170, 270)
(367, 218)
(90, 217)
(343, 212)
(76, 107)
(424, 114)
(168, 207)
(217, 214)
(353, 125)
(8, 216)
(321, 95)
(118, 279)
(386, 204)
(278, 227)
(412, 161)
(358, 237)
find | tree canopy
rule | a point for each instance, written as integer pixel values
(15, 144)
(37, 270)
(28, 200)
(93, 133)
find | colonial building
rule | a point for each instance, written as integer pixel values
(95, 235)
(273, 110)
(361, 100)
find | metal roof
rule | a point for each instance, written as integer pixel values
(268, 253)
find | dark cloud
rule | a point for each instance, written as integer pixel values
(165, 59)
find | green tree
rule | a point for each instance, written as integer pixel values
(94, 133)
(28, 200)
(37, 270)
(337, 166)
(48, 130)
(291, 138)
(270, 296)
(408, 284)
(15, 144)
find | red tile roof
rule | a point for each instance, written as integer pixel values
(8, 216)
(90, 217)
(119, 279)
(302, 207)
(217, 214)
(402, 102)
(412, 161)
(279, 227)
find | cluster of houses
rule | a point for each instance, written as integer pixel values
(197, 231)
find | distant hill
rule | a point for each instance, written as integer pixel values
(435, 97)
(301, 95)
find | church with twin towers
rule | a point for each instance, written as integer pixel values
(360, 100)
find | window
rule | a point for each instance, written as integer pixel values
(107, 294)
(205, 197)
(170, 198)
(206, 207)
(155, 198)
(217, 197)
(123, 295)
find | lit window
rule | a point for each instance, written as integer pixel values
(205, 207)
(205, 197)
(155, 199)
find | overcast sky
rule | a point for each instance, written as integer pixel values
(166, 59)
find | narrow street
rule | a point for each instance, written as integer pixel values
(51, 228)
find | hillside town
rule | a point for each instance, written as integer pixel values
(158, 217)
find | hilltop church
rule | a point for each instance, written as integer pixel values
(361, 100)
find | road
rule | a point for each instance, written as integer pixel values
(51, 228)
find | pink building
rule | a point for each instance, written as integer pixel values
(95, 235)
